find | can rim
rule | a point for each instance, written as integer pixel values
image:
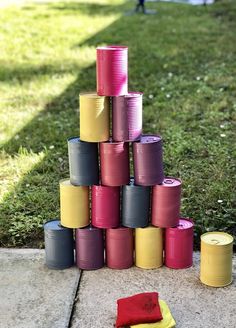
(75, 137)
(59, 224)
(187, 228)
(91, 94)
(149, 135)
(104, 186)
(112, 47)
(230, 237)
(170, 184)
(120, 228)
(150, 226)
(133, 94)
(64, 180)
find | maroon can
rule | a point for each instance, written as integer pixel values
(105, 209)
(114, 158)
(127, 117)
(148, 164)
(119, 248)
(166, 200)
(89, 248)
(179, 245)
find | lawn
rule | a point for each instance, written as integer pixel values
(182, 58)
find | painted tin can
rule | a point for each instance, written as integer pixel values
(112, 70)
(179, 245)
(74, 203)
(114, 159)
(148, 165)
(216, 259)
(149, 247)
(135, 205)
(166, 201)
(94, 117)
(105, 208)
(59, 245)
(119, 248)
(89, 248)
(83, 162)
(127, 117)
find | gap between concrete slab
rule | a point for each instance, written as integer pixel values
(75, 298)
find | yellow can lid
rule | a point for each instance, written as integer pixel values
(217, 238)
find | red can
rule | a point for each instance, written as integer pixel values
(119, 248)
(105, 210)
(112, 70)
(114, 158)
(179, 245)
(166, 199)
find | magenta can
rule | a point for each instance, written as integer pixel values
(179, 245)
(127, 117)
(166, 200)
(148, 164)
(119, 248)
(112, 70)
(114, 159)
(105, 210)
(89, 248)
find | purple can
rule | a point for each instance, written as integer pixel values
(127, 117)
(148, 164)
(89, 248)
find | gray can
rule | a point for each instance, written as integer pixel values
(59, 245)
(135, 205)
(83, 162)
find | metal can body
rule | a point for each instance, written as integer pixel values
(114, 157)
(216, 259)
(105, 208)
(74, 203)
(135, 205)
(127, 117)
(59, 245)
(89, 248)
(148, 165)
(83, 162)
(179, 245)
(112, 70)
(119, 248)
(166, 200)
(149, 247)
(94, 117)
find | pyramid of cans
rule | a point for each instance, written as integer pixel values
(134, 220)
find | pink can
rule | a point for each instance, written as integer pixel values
(127, 117)
(112, 70)
(114, 158)
(119, 248)
(179, 245)
(105, 210)
(166, 199)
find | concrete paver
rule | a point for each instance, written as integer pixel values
(31, 295)
(192, 304)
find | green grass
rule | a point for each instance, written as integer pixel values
(183, 59)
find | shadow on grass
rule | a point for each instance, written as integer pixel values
(21, 223)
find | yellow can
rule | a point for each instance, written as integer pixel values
(74, 202)
(167, 321)
(94, 117)
(216, 259)
(148, 247)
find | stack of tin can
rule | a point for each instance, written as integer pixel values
(119, 220)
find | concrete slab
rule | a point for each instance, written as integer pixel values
(192, 304)
(31, 295)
